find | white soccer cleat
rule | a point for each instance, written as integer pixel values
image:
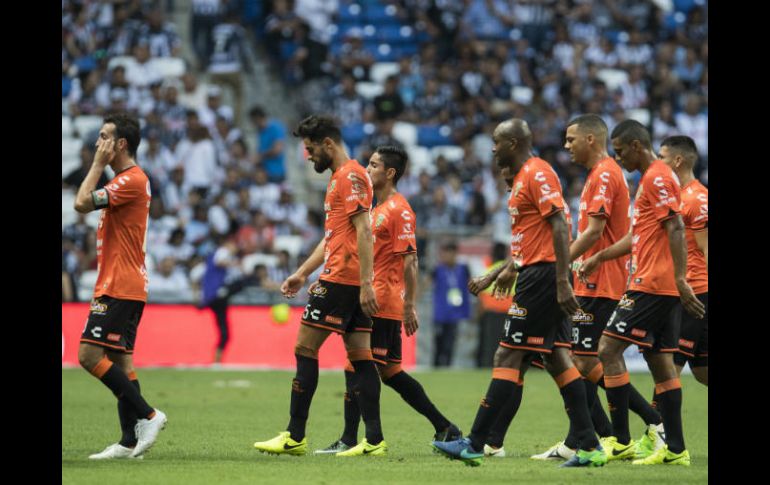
(559, 451)
(115, 451)
(147, 431)
(494, 452)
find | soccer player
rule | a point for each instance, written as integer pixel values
(343, 300)
(658, 280)
(120, 292)
(395, 283)
(540, 256)
(680, 153)
(603, 220)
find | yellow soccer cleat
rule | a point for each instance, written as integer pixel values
(282, 445)
(664, 457)
(617, 451)
(364, 448)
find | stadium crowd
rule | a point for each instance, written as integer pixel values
(449, 70)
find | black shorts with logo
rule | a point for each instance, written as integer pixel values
(386, 341)
(112, 323)
(535, 320)
(336, 307)
(694, 336)
(646, 320)
(589, 322)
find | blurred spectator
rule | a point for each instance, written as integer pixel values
(169, 281)
(193, 93)
(287, 215)
(389, 104)
(347, 105)
(204, 16)
(262, 193)
(353, 59)
(280, 26)
(271, 142)
(451, 302)
(200, 162)
(256, 237)
(221, 266)
(695, 124)
(160, 36)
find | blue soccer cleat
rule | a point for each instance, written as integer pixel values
(459, 450)
(583, 458)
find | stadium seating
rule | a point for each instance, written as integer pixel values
(433, 135)
(406, 133)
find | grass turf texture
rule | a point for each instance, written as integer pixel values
(216, 416)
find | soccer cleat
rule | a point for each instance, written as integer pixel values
(494, 452)
(282, 445)
(335, 447)
(459, 450)
(593, 458)
(451, 433)
(618, 451)
(364, 448)
(664, 457)
(147, 431)
(115, 451)
(559, 451)
(652, 440)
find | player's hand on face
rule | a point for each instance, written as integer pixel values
(566, 298)
(690, 302)
(504, 283)
(105, 152)
(410, 320)
(587, 268)
(292, 285)
(368, 300)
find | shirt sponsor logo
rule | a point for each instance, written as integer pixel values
(379, 351)
(406, 215)
(540, 176)
(114, 337)
(535, 340)
(407, 227)
(334, 320)
(517, 311)
(552, 195)
(605, 177)
(319, 290)
(638, 332)
(689, 344)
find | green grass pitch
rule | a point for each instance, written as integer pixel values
(215, 416)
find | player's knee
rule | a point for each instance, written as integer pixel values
(306, 351)
(89, 357)
(585, 364)
(609, 350)
(359, 354)
(503, 357)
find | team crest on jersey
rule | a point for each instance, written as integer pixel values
(380, 220)
(333, 185)
(319, 290)
(98, 307)
(517, 188)
(582, 317)
(517, 311)
(626, 302)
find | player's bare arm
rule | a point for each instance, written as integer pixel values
(505, 280)
(410, 294)
(481, 283)
(365, 257)
(564, 294)
(293, 283)
(85, 199)
(620, 248)
(676, 242)
(702, 241)
(587, 238)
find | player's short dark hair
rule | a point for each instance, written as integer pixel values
(126, 126)
(393, 156)
(681, 143)
(318, 127)
(629, 130)
(590, 122)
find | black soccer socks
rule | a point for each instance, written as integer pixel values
(303, 387)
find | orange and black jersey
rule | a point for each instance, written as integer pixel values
(695, 214)
(349, 192)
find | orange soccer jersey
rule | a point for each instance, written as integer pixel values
(535, 196)
(393, 225)
(348, 193)
(605, 194)
(695, 214)
(121, 237)
(657, 200)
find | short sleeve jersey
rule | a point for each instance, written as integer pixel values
(657, 200)
(121, 236)
(349, 192)
(536, 195)
(695, 214)
(605, 194)
(393, 226)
